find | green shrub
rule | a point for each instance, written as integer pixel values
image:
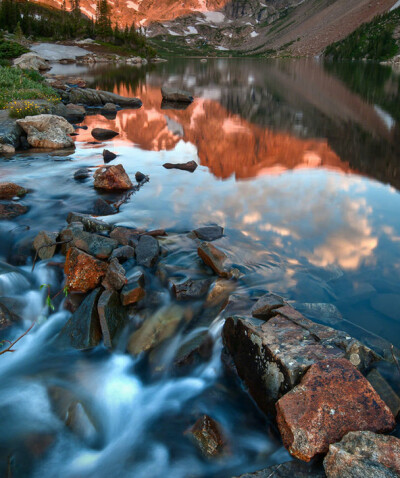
(11, 49)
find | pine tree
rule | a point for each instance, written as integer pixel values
(18, 32)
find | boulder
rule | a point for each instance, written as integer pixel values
(133, 291)
(89, 223)
(176, 95)
(271, 357)
(123, 253)
(83, 271)
(125, 236)
(10, 133)
(364, 454)
(94, 244)
(103, 208)
(44, 244)
(47, 131)
(266, 306)
(31, 61)
(332, 399)
(82, 173)
(147, 251)
(74, 113)
(112, 177)
(112, 316)
(82, 331)
(213, 258)
(11, 210)
(108, 156)
(92, 97)
(10, 190)
(190, 289)
(103, 134)
(195, 349)
(115, 278)
(6, 149)
(290, 469)
(190, 166)
(207, 435)
(209, 233)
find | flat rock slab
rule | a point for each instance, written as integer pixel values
(112, 316)
(94, 244)
(271, 357)
(82, 331)
(332, 399)
(147, 251)
(54, 52)
(83, 271)
(209, 233)
(364, 454)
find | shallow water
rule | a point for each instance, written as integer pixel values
(299, 161)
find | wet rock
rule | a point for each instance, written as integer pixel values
(332, 399)
(108, 156)
(11, 210)
(156, 329)
(31, 61)
(190, 289)
(112, 316)
(10, 133)
(89, 223)
(323, 312)
(44, 244)
(209, 233)
(133, 291)
(74, 113)
(364, 454)
(83, 271)
(176, 95)
(47, 131)
(147, 251)
(10, 190)
(207, 435)
(190, 166)
(123, 253)
(6, 149)
(213, 258)
(266, 306)
(103, 134)
(112, 177)
(82, 173)
(94, 244)
(79, 422)
(219, 292)
(125, 236)
(110, 108)
(290, 469)
(103, 208)
(271, 357)
(82, 331)
(140, 177)
(7, 317)
(195, 349)
(92, 97)
(385, 391)
(115, 278)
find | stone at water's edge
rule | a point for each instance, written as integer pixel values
(112, 177)
(112, 316)
(44, 244)
(10, 133)
(90, 223)
(290, 469)
(190, 289)
(83, 271)
(364, 454)
(103, 134)
(271, 357)
(82, 331)
(147, 251)
(10, 190)
(332, 399)
(11, 210)
(82, 173)
(190, 166)
(266, 306)
(31, 61)
(103, 208)
(123, 253)
(47, 131)
(214, 258)
(209, 233)
(170, 93)
(133, 291)
(207, 435)
(92, 97)
(115, 276)
(94, 244)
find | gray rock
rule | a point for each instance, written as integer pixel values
(290, 469)
(175, 94)
(123, 253)
(47, 131)
(92, 97)
(209, 233)
(74, 113)
(266, 306)
(31, 61)
(147, 251)
(89, 223)
(271, 357)
(133, 291)
(96, 245)
(190, 289)
(82, 173)
(44, 244)
(10, 132)
(82, 331)
(110, 108)
(112, 316)
(115, 278)
(125, 236)
(102, 208)
(364, 454)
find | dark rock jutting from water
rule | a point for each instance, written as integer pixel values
(103, 134)
(190, 166)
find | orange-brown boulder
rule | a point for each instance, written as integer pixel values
(10, 190)
(214, 258)
(83, 271)
(112, 177)
(332, 400)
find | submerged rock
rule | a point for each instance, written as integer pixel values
(47, 131)
(266, 306)
(219, 292)
(147, 251)
(213, 258)
(10, 190)
(332, 399)
(290, 469)
(44, 244)
(82, 331)
(112, 316)
(90, 223)
(82, 173)
(190, 166)
(190, 289)
(83, 271)
(176, 95)
(112, 177)
(11, 210)
(195, 349)
(209, 233)
(103, 134)
(364, 454)
(207, 435)
(92, 97)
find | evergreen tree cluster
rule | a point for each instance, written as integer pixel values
(24, 18)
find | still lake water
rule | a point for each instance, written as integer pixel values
(299, 161)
